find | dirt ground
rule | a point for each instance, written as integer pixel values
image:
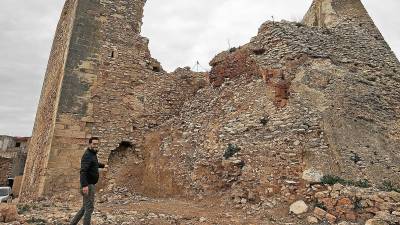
(144, 210)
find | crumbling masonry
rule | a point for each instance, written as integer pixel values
(321, 95)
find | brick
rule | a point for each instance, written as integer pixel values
(319, 213)
(331, 218)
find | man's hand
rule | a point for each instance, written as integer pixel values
(85, 190)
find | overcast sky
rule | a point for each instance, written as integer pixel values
(180, 32)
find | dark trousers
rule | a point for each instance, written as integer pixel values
(87, 207)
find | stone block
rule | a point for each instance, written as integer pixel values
(312, 175)
(8, 212)
(312, 220)
(298, 207)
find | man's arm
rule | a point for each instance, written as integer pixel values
(85, 164)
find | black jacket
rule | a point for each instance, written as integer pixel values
(90, 168)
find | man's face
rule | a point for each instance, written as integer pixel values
(94, 145)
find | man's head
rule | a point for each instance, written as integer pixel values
(94, 143)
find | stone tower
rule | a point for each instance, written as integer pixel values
(97, 52)
(332, 13)
(328, 13)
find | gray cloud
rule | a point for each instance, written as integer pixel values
(180, 33)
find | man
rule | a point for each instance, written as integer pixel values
(89, 177)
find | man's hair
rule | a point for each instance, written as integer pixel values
(92, 138)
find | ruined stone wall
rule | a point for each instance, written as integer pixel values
(116, 100)
(353, 81)
(39, 147)
(296, 98)
(159, 99)
(349, 78)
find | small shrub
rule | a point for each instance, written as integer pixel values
(259, 51)
(389, 186)
(362, 184)
(23, 209)
(231, 150)
(331, 180)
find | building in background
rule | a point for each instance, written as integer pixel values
(13, 152)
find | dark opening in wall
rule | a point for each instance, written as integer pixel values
(124, 149)
(125, 144)
(18, 144)
(259, 51)
(112, 54)
(156, 69)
